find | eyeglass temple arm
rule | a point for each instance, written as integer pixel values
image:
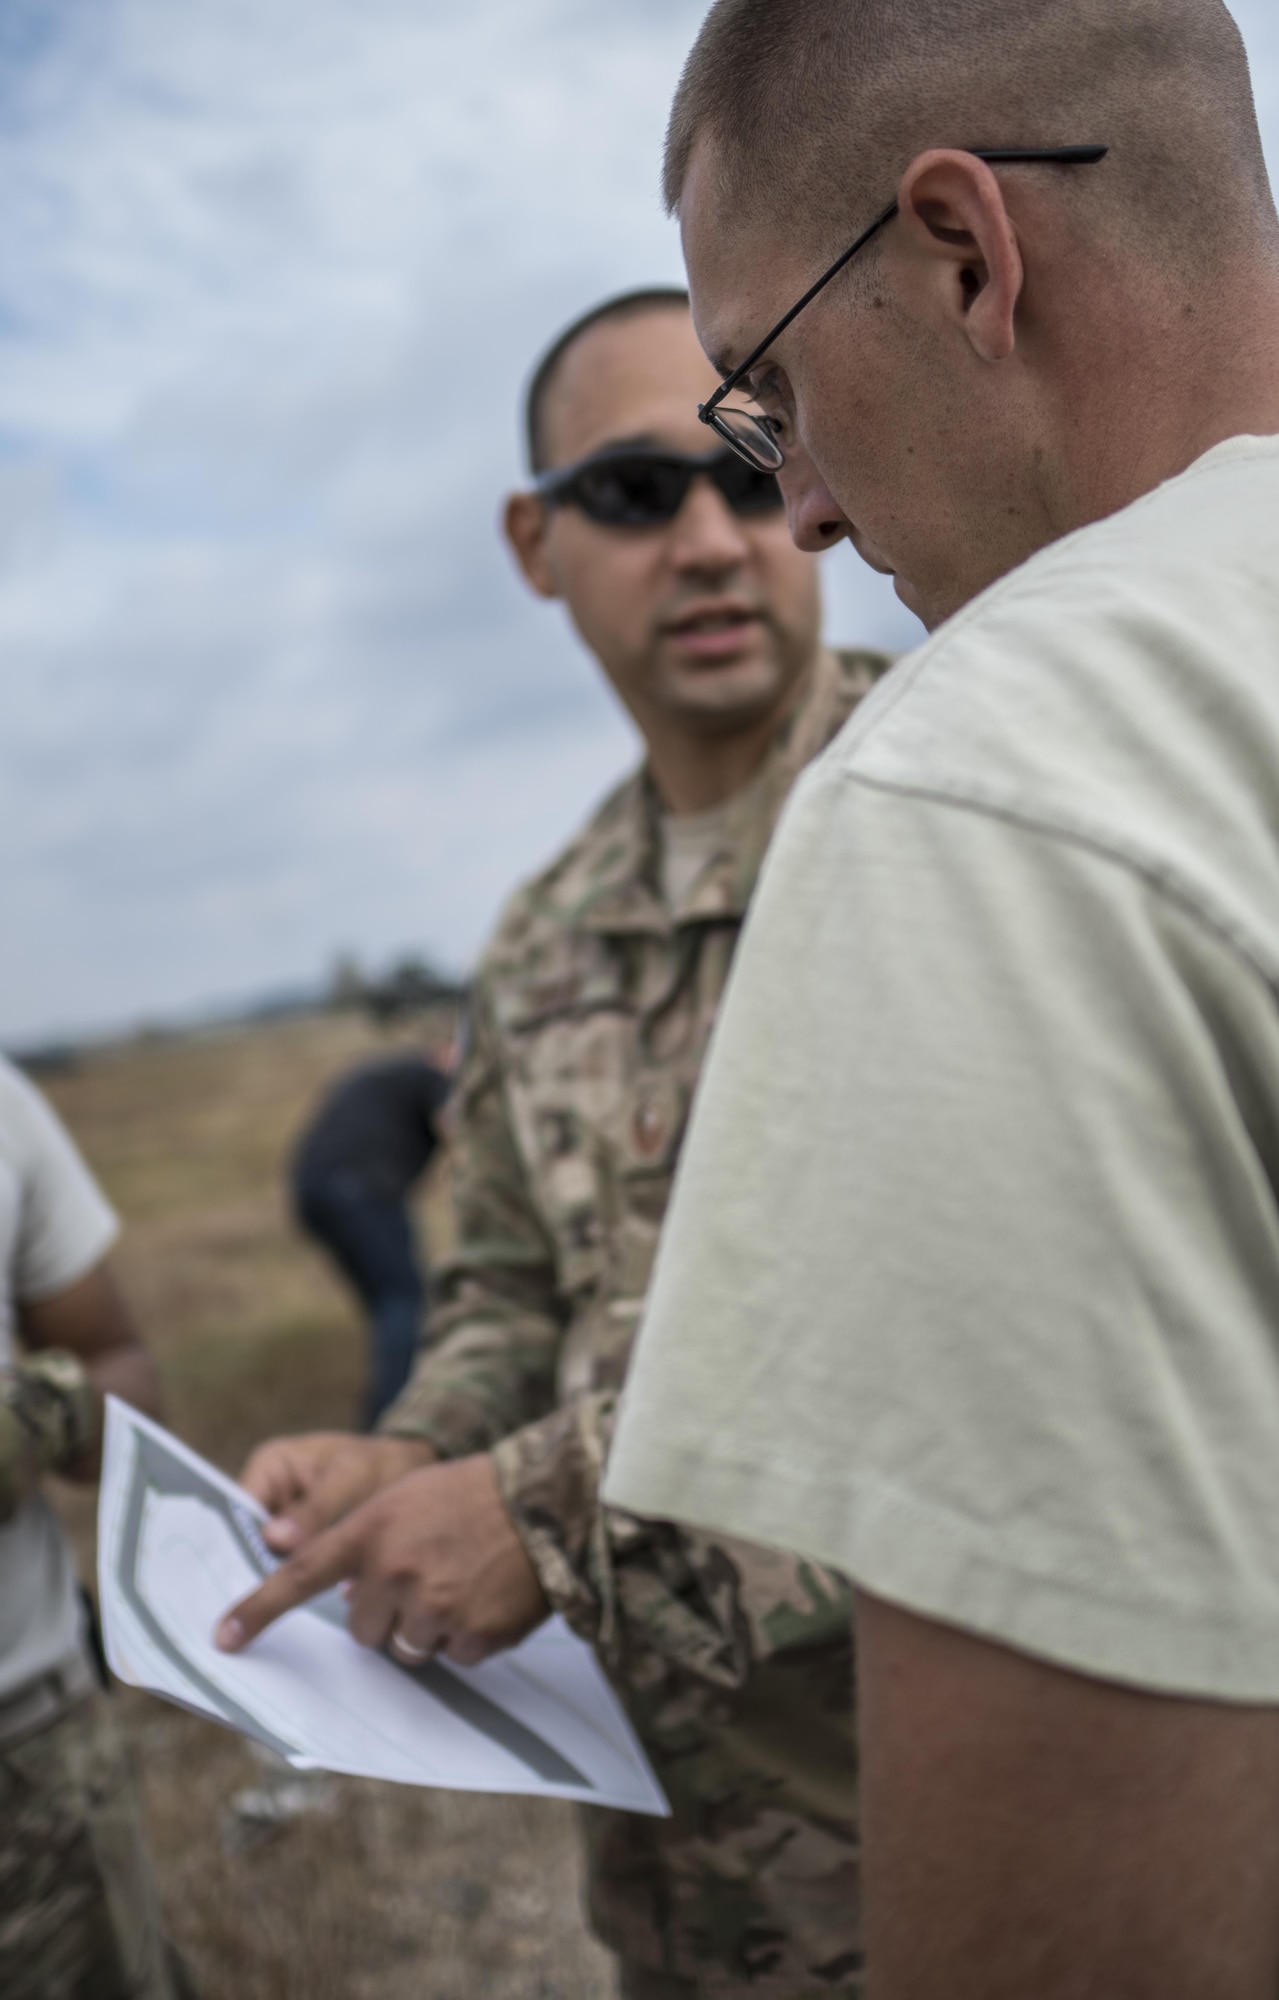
(1066, 156)
(730, 382)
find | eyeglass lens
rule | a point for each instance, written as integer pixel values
(645, 490)
(750, 438)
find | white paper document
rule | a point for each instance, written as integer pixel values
(178, 1544)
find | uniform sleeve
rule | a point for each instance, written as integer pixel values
(968, 1285)
(702, 1603)
(66, 1224)
(497, 1317)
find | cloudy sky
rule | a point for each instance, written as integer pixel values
(271, 272)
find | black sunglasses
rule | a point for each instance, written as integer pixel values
(635, 486)
(751, 436)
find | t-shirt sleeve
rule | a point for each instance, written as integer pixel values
(971, 1282)
(66, 1224)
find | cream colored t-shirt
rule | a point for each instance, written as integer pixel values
(970, 1285)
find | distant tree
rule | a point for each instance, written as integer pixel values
(346, 981)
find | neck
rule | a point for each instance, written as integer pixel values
(1179, 381)
(1138, 395)
(694, 772)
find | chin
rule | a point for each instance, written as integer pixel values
(723, 699)
(911, 598)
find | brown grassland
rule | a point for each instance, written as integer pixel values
(393, 1892)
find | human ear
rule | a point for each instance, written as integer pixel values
(525, 520)
(953, 213)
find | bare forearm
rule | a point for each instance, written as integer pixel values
(90, 1323)
(130, 1373)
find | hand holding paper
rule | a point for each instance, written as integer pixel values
(433, 1564)
(178, 1543)
(307, 1483)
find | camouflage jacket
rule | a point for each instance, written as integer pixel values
(591, 1016)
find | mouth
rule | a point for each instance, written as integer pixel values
(713, 631)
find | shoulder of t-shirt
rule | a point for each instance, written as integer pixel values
(1119, 689)
(25, 1115)
(1040, 614)
(32, 1135)
(67, 1222)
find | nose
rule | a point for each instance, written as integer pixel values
(815, 519)
(706, 535)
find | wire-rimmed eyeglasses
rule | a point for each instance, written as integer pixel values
(749, 433)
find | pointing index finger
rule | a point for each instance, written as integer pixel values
(326, 1560)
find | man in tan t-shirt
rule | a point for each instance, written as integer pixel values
(78, 1914)
(997, 1293)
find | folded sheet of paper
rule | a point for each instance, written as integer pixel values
(178, 1543)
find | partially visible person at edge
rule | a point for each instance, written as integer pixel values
(591, 1015)
(971, 1284)
(78, 1914)
(351, 1175)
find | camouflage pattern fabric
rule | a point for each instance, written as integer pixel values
(78, 1917)
(591, 1016)
(641, 1982)
(49, 1417)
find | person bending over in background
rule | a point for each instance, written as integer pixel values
(592, 1010)
(78, 1914)
(353, 1169)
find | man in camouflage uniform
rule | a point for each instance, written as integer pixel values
(78, 1914)
(591, 1015)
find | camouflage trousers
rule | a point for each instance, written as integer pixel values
(78, 1915)
(699, 1908)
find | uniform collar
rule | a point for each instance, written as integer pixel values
(627, 895)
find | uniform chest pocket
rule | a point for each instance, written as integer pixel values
(564, 1100)
(601, 1129)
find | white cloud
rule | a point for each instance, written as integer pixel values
(271, 273)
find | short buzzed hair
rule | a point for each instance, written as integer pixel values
(813, 109)
(623, 305)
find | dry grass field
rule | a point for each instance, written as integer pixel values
(390, 1892)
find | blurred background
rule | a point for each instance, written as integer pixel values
(280, 730)
(271, 274)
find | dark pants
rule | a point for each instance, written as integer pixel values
(370, 1238)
